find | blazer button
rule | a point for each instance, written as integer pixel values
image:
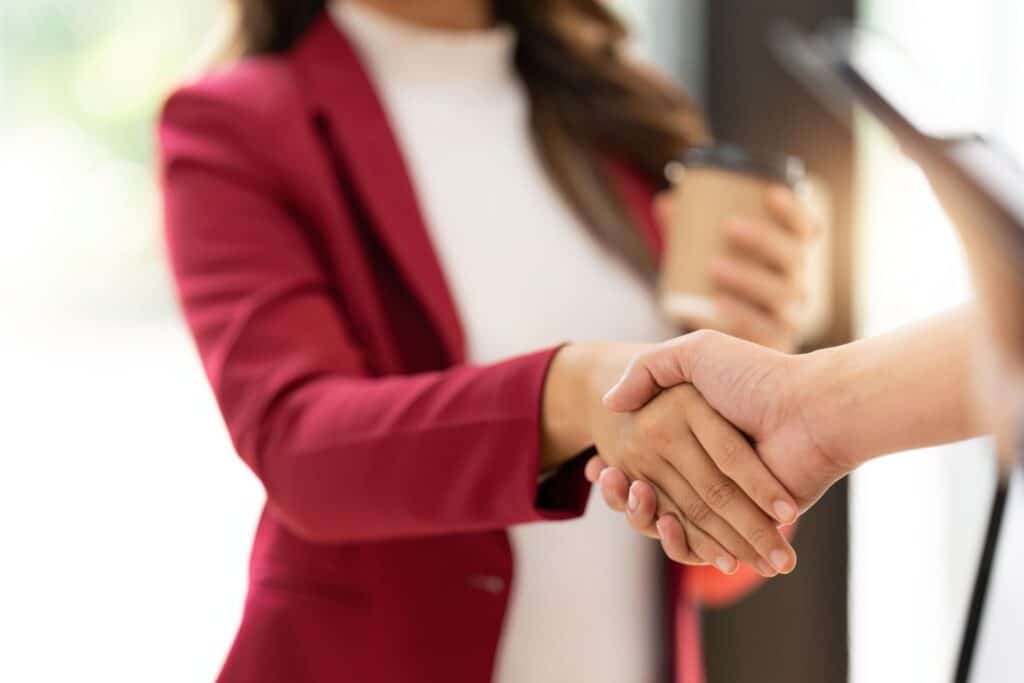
(488, 583)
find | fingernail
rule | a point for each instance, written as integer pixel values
(726, 565)
(779, 559)
(764, 569)
(784, 512)
(608, 394)
(657, 527)
(631, 501)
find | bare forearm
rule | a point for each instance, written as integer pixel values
(899, 391)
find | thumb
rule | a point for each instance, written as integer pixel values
(648, 374)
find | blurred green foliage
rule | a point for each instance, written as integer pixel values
(81, 82)
(102, 65)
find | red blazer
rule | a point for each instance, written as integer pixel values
(329, 336)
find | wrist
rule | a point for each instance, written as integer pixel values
(564, 426)
(577, 380)
(828, 398)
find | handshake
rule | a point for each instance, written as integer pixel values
(713, 444)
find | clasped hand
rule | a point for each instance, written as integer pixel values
(714, 484)
(699, 484)
(706, 475)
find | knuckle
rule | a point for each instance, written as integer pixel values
(730, 455)
(760, 536)
(720, 494)
(653, 435)
(645, 424)
(636, 457)
(628, 452)
(697, 511)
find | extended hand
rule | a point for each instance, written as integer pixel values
(705, 474)
(766, 394)
(706, 477)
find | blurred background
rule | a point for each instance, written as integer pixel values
(125, 533)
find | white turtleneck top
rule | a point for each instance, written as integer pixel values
(525, 274)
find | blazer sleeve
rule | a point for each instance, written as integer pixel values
(343, 456)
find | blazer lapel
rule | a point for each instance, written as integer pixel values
(340, 89)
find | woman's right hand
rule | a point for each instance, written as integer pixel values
(704, 470)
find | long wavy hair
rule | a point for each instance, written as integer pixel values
(589, 103)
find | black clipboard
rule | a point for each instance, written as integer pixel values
(835, 64)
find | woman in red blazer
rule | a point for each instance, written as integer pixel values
(326, 326)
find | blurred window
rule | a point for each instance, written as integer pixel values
(917, 522)
(126, 516)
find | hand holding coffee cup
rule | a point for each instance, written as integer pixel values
(737, 242)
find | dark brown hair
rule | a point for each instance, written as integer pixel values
(590, 104)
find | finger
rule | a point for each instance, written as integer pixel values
(735, 461)
(642, 508)
(614, 488)
(769, 243)
(752, 282)
(673, 541)
(704, 549)
(783, 205)
(698, 512)
(708, 535)
(594, 467)
(755, 324)
(640, 500)
(677, 546)
(648, 373)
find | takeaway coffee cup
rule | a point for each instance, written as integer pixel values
(709, 186)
